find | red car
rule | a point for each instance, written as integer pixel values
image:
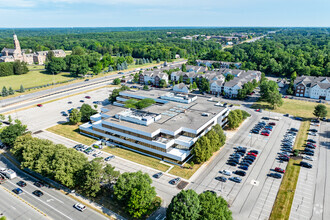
(257, 110)
(87, 97)
(252, 154)
(265, 134)
(314, 145)
(280, 170)
(39, 105)
(272, 123)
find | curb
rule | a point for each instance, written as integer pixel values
(35, 208)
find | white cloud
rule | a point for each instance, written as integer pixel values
(17, 3)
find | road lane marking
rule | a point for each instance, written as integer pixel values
(43, 202)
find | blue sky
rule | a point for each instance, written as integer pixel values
(118, 13)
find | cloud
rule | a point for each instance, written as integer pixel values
(17, 3)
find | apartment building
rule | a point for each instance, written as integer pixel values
(166, 130)
(312, 87)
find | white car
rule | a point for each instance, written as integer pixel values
(308, 158)
(80, 207)
(226, 172)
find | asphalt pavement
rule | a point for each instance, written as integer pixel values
(15, 208)
(254, 197)
(312, 195)
(53, 203)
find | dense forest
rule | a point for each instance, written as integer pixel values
(301, 50)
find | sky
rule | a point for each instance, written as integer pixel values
(145, 13)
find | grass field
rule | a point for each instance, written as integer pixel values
(137, 158)
(282, 206)
(33, 78)
(293, 107)
(71, 132)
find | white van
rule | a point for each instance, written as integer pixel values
(10, 174)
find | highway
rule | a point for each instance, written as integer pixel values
(53, 203)
(15, 208)
(25, 100)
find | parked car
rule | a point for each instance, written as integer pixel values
(243, 167)
(309, 153)
(232, 164)
(39, 105)
(254, 151)
(313, 130)
(240, 172)
(158, 175)
(221, 178)
(87, 97)
(79, 206)
(69, 102)
(272, 123)
(275, 175)
(286, 115)
(21, 183)
(244, 163)
(312, 134)
(17, 191)
(308, 158)
(265, 134)
(294, 129)
(82, 100)
(109, 158)
(235, 179)
(311, 141)
(284, 158)
(226, 172)
(280, 170)
(305, 164)
(298, 118)
(38, 193)
(175, 181)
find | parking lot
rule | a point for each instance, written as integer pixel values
(39, 118)
(254, 197)
(311, 200)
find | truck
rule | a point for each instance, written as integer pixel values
(10, 174)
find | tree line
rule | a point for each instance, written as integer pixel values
(13, 68)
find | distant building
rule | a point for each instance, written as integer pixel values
(223, 64)
(312, 87)
(181, 87)
(153, 77)
(11, 55)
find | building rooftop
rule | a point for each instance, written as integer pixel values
(174, 115)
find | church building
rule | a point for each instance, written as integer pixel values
(11, 55)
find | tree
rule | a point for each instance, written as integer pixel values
(50, 56)
(116, 81)
(110, 175)
(20, 68)
(11, 91)
(86, 112)
(185, 205)
(145, 87)
(188, 81)
(10, 133)
(129, 59)
(293, 76)
(92, 177)
(320, 111)
(202, 149)
(134, 190)
(136, 77)
(162, 83)
(115, 93)
(78, 51)
(184, 68)
(233, 120)
(4, 92)
(21, 89)
(275, 99)
(75, 116)
(181, 79)
(229, 77)
(194, 86)
(204, 85)
(56, 65)
(97, 68)
(158, 60)
(213, 207)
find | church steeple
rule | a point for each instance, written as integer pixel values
(16, 44)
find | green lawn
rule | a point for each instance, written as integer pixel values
(137, 158)
(71, 132)
(293, 107)
(35, 77)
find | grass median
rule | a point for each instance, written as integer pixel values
(283, 203)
